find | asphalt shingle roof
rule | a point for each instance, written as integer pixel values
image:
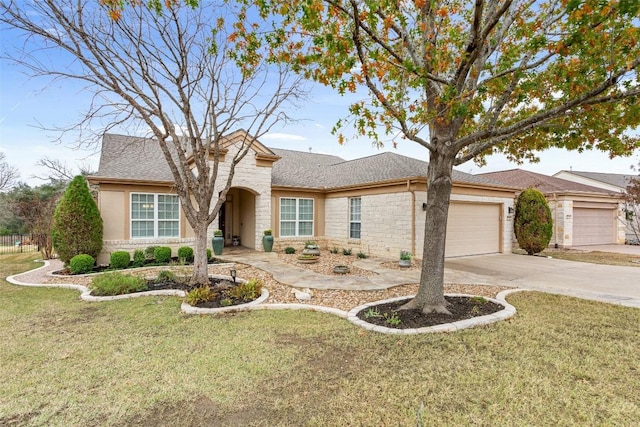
(135, 158)
(617, 179)
(547, 184)
(126, 157)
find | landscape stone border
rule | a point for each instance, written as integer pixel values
(127, 270)
(507, 312)
(259, 304)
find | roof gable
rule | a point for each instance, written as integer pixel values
(547, 184)
(615, 179)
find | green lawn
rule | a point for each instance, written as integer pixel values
(560, 361)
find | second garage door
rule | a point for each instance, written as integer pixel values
(473, 229)
(593, 226)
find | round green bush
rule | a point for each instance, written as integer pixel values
(533, 225)
(120, 260)
(209, 254)
(81, 264)
(162, 254)
(185, 253)
(138, 258)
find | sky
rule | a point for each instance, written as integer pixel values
(32, 108)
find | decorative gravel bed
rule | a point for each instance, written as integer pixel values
(340, 299)
(326, 262)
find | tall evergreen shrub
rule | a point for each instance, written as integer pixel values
(77, 225)
(533, 225)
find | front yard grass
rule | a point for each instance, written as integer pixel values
(560, 361)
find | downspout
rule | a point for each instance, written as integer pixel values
(413, 217)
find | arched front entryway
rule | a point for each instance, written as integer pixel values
(237, 219)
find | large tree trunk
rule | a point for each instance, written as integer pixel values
(200, 274)
(430, 297)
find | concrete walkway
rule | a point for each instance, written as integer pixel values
(303, 278)
(612, 284)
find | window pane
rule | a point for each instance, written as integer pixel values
(287, 209)
(354, 230)
(305, 207)
(168, 207)
(355, 209)
(168, 229)
(305, 229)
(142, 206)
(287, 228)
(142, 229)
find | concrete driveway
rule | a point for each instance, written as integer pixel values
(614, 284)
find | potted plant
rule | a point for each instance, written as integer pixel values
(267, 240)
(405, 258)
(217, 242)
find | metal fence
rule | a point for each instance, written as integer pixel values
(16, 243)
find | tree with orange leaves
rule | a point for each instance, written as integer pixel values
(468, 78)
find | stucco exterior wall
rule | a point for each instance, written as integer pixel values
(114, 202)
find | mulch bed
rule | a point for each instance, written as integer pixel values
(461, 308)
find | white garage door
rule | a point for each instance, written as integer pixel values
(593, 226)
(473, 229)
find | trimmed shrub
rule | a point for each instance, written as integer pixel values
(149, 253)
(162, 254)
(185, 253)
(138, 258)
(247, 291)
(209, 254)
(533, 225)
(81, 264)
(289, 250)
(200, 295)
(77, 225)
(120, 260)
(115, 283)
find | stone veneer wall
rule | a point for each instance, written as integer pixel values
(255, 179)
(386, 224)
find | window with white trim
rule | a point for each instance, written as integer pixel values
(296, 217)
(154, 215)
(355, 217)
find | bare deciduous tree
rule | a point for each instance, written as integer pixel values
(8, 174)
(171, 68)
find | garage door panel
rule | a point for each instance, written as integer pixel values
(473, 229)
(593, 226)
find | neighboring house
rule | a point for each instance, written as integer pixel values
(373, 204)
(582, 214)
(609, 181)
